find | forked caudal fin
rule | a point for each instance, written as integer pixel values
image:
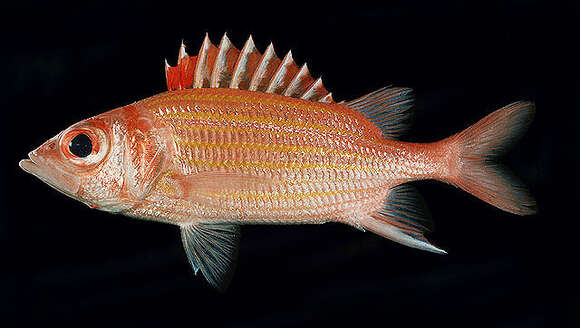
(471, 165)
(472, 161)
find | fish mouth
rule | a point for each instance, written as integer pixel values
(60, 181)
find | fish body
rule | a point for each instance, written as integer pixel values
(246, 138)
(264, 158)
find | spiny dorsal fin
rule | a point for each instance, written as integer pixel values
(228, 67)
(389, 108)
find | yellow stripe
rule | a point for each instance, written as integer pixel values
(237, 129)
(274, 166)
(217, 100)
(254, 195)
(247, 129)
(247, 119)
(272, 147)
(264, 99)
(291, 207)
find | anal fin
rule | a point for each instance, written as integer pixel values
(213, 250)
(404, 218)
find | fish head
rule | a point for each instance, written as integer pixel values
(107, 162)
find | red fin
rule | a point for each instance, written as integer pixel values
(474, 151)
(316, 91)
(227, 67)
(204, 64)
(327, 99)
(266, 68)
(171, 77)
(245, 66)
(180, 76)
(284, 75)
(300, 84)
(223, 68)
(186, 66)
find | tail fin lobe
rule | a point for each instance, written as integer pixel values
(476, 148)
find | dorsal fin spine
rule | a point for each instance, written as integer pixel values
(169, 76)
(186, 68)
(245, 65)
(315, 92)
(204, 65)
(284, 74)
(182, 53)
(224, 64)
(265, 69)
(327, 99)
(300, 83)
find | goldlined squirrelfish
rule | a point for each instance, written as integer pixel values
(242, 137)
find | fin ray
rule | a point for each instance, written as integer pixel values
(475, 151)
(389, 108)
(404, 218)
(213, 250)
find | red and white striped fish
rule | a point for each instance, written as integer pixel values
(246, 138)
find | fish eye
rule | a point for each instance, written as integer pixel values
(84, 146)
(81, 145)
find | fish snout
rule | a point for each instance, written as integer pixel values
(44, 164)
(30, 164)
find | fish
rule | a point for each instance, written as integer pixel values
(243, 137)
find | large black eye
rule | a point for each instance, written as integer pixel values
(81, 145)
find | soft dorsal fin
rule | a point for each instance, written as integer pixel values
(389, 108)
(213, 249)
(228, 67)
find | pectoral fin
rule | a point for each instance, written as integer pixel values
(212, 249)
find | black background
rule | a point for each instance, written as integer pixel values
(62, 262)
